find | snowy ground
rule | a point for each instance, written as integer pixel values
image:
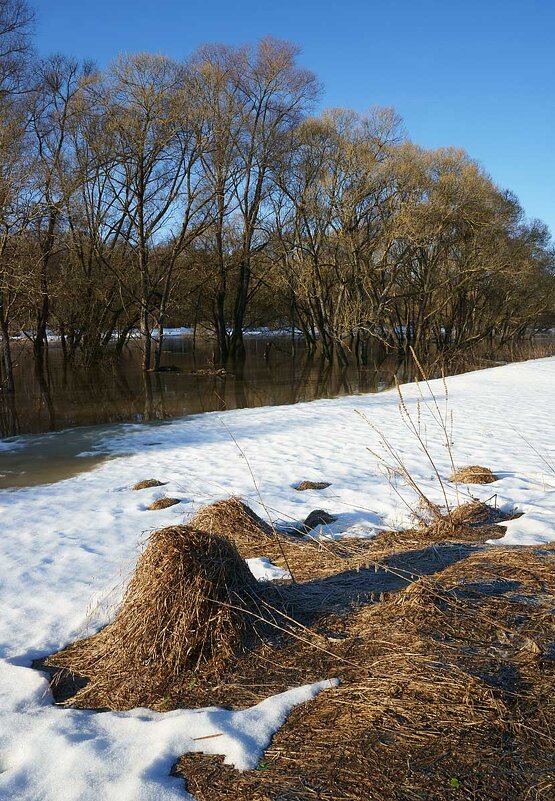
(67, 549)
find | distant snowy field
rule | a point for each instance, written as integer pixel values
(67, 549)
(187, 330)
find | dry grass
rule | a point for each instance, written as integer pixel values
(184, 608)
(473, 474)
(470, 522)
(235, 520)
(444, 695)
(447, 684)
(404, 734)
(147, 483)
(163, 503)
(306, 559)
(302, 486)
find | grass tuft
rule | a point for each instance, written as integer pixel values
(184, 609)
(473, 474)
(147, 483)
(163, 503)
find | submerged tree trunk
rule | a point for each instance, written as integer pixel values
(221, 332)
(147, 338)
(236, 344)
(158, 348)
(41, 374)
(7, 363)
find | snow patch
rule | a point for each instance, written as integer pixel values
(263, 569)
(75, 755)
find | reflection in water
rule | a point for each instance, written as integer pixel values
(9, 421)
(60, 397)
(90, 404)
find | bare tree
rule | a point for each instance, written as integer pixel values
(16, 19)
(214, 70)
(255, 97)
(15, 24)
(14, 221)
(54, 104)
(151, 171)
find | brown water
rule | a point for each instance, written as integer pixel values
(85, 406)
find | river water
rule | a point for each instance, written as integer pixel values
(84, 406)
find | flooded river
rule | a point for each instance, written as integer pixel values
(84, 406)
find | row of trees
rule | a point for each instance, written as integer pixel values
(159, 192)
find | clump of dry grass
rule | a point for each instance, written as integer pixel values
(148, 482)
(474, 521)
(185, 608)
(473, 474)
(305, 559)
(476, 513)
(235, 520)
(163, 503)
(302, 486)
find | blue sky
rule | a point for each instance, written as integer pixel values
(475, 74)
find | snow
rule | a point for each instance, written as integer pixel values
(11, 444)
(265, 331)
(264, 569)
(76, 755)
(183, 331)
(68, 548)
(174, 332)
(25, 336)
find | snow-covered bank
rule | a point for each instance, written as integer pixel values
(180, 331)
(66, 546)
(74, 755)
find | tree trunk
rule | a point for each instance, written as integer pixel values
(236, 345)
(158, 347)
(147, 344)
(221, 333)
(7, 363)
